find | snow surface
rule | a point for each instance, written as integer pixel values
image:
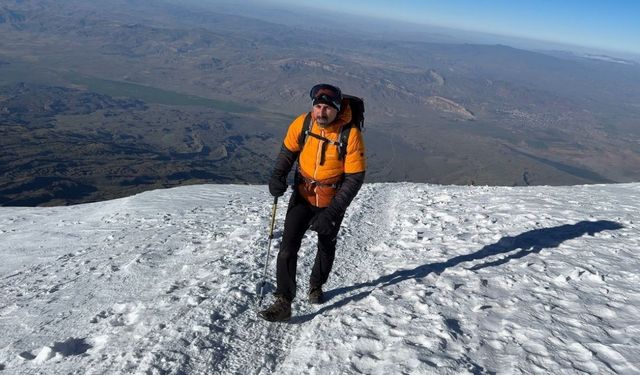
(428, 279)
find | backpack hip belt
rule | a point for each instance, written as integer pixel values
(313, 182)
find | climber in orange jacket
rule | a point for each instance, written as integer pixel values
(328, 177)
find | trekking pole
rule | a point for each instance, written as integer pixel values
(266, 263)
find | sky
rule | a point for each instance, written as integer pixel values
(612, 25)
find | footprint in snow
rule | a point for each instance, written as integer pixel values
(70, 347)
(65, 257)
(481, 308)
(125, 315)
(175, 286)
(120, 315)
(453, 325)
(101, 315)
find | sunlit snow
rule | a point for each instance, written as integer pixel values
(428, 280)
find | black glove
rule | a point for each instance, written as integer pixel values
(323, 223)
(277, 185)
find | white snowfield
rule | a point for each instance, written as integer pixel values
(428, 280)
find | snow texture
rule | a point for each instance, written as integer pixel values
(428, 280)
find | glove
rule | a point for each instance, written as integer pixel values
(323, 224)
(277, 185)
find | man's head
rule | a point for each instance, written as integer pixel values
(327, 101)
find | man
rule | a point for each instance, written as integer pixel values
(325, 184)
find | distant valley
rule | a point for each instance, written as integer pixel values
(105, 100)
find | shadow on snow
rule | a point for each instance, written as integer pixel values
(529, 242)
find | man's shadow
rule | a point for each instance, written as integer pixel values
(529, 242)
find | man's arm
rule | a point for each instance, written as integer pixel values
(354, 168)
(284, 163)
(348, 190)
(285, 159)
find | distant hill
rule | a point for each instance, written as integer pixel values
(130, 76)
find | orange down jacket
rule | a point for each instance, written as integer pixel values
(318, 185)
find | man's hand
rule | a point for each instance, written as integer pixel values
(323, 223)
(277, 185)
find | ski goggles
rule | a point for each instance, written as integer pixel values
(327, 94)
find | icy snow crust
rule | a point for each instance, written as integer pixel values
(428, 279)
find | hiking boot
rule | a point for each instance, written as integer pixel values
(315, 295)
(279, 311)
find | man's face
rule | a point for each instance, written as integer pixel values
(324, 114)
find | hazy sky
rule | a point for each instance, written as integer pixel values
(607, 24)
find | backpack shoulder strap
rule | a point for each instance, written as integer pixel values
(344, 141)
(302, 138)
(342, 144)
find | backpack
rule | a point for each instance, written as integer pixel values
(357, 120)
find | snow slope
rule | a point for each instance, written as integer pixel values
(428, 279)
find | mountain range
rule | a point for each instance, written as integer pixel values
(104, 100)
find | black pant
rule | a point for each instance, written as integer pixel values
(296, 223)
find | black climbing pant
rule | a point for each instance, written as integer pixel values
(299, 215)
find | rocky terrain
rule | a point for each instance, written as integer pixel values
(103, 100)
(68, 146)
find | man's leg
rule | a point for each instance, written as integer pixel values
(295, 225)
(324, 257)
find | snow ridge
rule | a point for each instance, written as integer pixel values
(428, 279)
